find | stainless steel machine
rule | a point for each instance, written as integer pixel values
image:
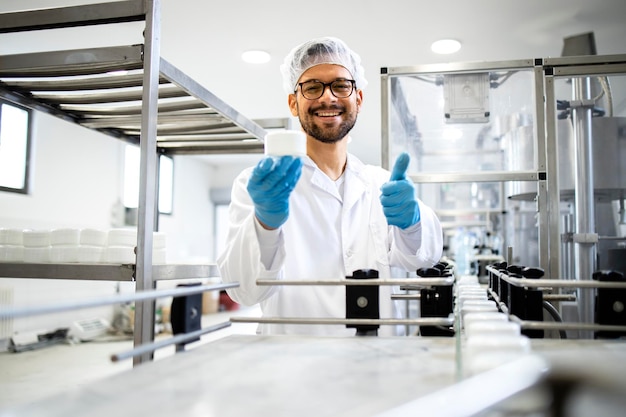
(524, 159)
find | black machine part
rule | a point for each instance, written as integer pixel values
(362, 302)
(186, 313)
(437, 301)
(610, 304)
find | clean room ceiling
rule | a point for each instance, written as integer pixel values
(205, 39)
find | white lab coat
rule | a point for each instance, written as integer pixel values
(326, 237)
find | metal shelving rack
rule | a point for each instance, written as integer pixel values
(154, 105)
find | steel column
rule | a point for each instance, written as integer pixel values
(584, 247)
(144, 311)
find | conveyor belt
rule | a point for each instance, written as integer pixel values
(357, 376)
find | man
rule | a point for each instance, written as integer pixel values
(325, 215)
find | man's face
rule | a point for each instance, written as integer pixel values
(328, 118)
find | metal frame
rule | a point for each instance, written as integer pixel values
(545, 70)
(415, 282)
(542, 167)
(585, 263)
(193, 126)
(62, 17)
(149, 295)
(148, 174)
(144, 349)
(103, 272)
(424, 321)
(586, 326)
(204, 124)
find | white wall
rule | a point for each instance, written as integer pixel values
(77, 179)
(189, 228)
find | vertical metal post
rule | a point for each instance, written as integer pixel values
(505, 215)
(566, 245)
(384, 94)
(541, 167)
(144, 310)
(552, 173)
(584, 199)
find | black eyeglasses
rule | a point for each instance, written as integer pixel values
(313, 89)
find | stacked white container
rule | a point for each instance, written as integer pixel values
(36, 246)
(489, 338)
(122, 242)
(91, 245)
(64, 245)
(121, 246)
(159, 246)
(11, 245)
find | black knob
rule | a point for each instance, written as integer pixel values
(533, 273)
(365, 274)
(610, 276)
(428, 272)
(500, 265)
(515, 269)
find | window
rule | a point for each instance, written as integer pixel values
(166, 184)
(132, 160)
(15, 128)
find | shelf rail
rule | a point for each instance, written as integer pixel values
(18, 312)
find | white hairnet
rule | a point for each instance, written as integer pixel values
(326, 50)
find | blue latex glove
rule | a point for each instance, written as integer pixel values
(398, 196)
(270, 185)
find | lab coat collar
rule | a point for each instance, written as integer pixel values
(356, 180)
(354, 189)
(319, 179)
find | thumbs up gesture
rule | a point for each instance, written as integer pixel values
(398, 196)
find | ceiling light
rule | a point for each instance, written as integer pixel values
(445, 46)
(255, 57)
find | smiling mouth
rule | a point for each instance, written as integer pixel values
(328, 113)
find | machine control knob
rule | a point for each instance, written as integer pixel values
(428, 272)
(500, 266)
(533, 273)
(515, 269)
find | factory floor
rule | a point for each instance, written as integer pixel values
(31, 375)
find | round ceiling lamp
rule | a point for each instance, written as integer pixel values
(256, 57)
(445, 46)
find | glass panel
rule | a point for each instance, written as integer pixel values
(464, 122)
(469, 122)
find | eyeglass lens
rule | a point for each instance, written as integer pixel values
(315, 89)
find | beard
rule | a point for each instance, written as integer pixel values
(324, 134)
